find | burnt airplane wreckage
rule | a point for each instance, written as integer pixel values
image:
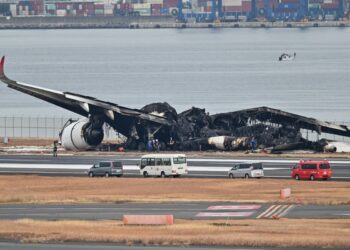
(193, 129)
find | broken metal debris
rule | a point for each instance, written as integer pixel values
(195, 129)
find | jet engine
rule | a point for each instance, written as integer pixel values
(81, 135)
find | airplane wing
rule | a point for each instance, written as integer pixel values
(80, 104)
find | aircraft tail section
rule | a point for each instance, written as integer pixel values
(2, 63)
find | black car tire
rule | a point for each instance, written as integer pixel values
(312, 178)
(246, 176)
(162, 174)
(145, 174)
(297, 177)
(107, 174)
(91, 174)
(230, 176)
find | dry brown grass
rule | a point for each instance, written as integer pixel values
(26, 142)
(248, 233)
(39, 189)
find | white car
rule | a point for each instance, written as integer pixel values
(246, 170)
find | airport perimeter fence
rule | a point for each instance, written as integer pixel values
(50, 127)
(40, 127)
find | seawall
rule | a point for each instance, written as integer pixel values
(38, 22)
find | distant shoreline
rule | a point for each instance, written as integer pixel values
(37, 22)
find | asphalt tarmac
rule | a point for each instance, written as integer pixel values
(72, 165)
(180, 210)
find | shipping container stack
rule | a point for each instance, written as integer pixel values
(27, 8)
(236, 10)
(170, 7)
(327, 9)
(5, 9)
(73, 9)
(146, 8)
(197, 10)
(287, 10)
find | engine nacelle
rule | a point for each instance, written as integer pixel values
(81, 135)
(330, 148)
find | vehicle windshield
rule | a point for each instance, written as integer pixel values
(179, 160)
(257, 166)
(324, 166)
(117, 165)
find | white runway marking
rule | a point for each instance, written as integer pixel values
(25, 160)
(235, 207)
(345, 214)
(276, 211)
(260, 160)
(126, 167)
(230, 214)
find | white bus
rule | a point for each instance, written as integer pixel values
(163, 165)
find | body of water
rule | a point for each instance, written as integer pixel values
(217, 69)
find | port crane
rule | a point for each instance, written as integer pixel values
(302, 11)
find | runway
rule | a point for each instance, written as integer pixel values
(66, 165)
(180, 210)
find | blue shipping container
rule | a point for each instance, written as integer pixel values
(164, 11)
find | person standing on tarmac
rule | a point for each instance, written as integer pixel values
(54, 150)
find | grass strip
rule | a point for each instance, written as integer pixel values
(240, 233)
(42, 189)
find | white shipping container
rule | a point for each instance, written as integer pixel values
(108, 12)
(99, 12)
(109, 7)
(329, 17)
(232, 2)
(142, 5)
(143, 12)
(327, 1)
(242, 18)
(61, 13)
(154, 1)
(13, 9)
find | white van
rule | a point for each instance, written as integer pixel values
(163, 165)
